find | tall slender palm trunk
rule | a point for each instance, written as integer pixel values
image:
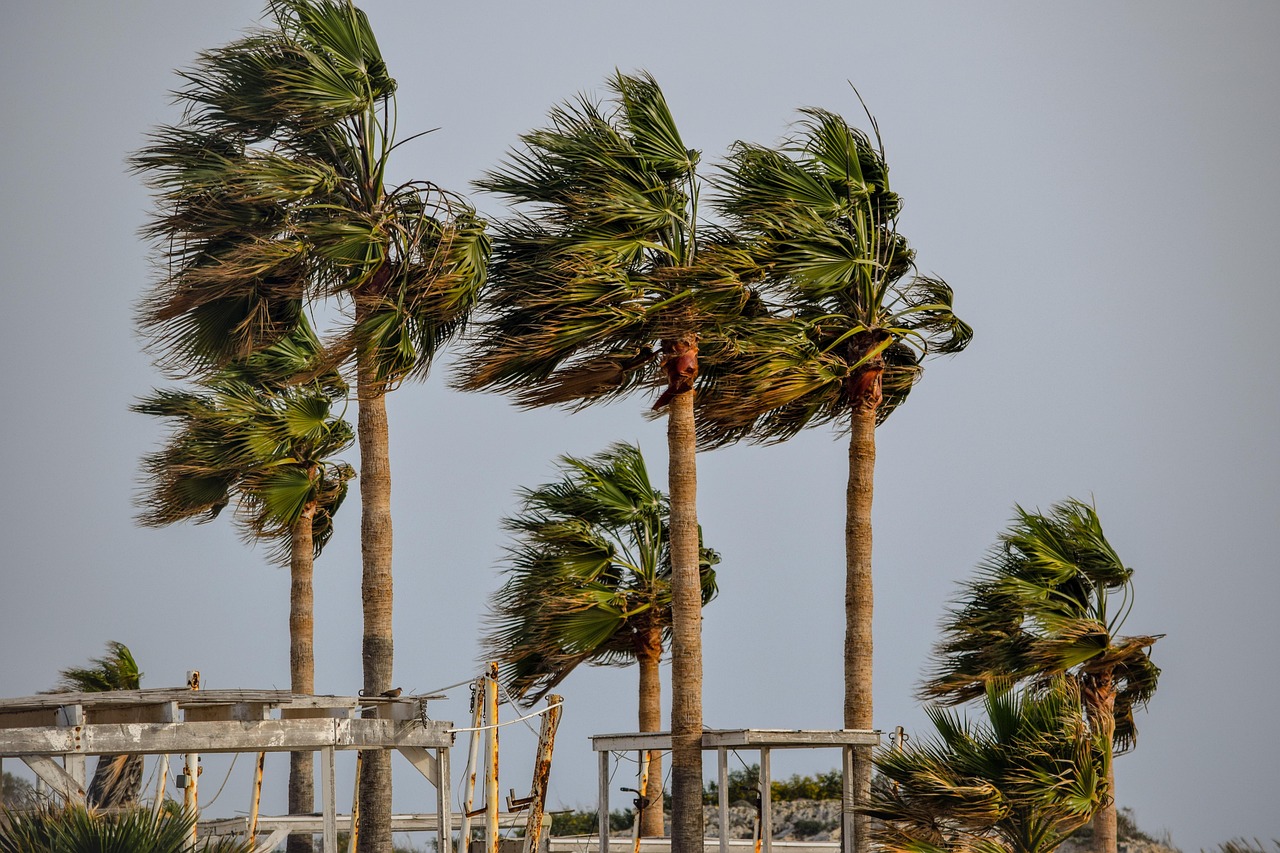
(375, 590)
(649, 656)
(302, 666)
(686, 640)
(858, 602)
(1100, 705)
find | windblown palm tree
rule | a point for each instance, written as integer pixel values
(50, 829)
(598, 273)
(1019, 782)
(248, 436)
(117, 779)
(273, 193)
(844, 341)
(589, 581)
(1048, 602)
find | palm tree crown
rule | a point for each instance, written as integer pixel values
(1051, 599)
(602, 264)
(589, 579)
(1021, 781)
(272, 192)
(247, 436)
(851, 325)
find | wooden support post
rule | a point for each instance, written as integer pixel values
(444, 832)
(256, 799)
(162, 781)
(542, 774)
(722, 786)
(72, 717)
(603, 816)
(473, 754)
(642, 785)
(355, 805)
(491, 802)
(330, 794)
(766, 801)
(847, 802)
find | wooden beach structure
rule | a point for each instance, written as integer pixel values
(54, 733)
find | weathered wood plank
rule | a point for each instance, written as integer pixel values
(226, 736)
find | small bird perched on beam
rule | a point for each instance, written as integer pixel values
(393, 693)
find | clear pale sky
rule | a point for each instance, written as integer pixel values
(1098, 182)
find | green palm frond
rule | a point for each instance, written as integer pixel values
(814, 225)
(272, 194)
(601, 260)
(1050, 600)
(1018, 781)
(589, 573)
(246, 435)
(116, 670)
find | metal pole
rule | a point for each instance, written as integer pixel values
(542, 773)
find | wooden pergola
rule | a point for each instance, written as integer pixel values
(724, 740)
(42, 729)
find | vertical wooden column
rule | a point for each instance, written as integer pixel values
(603, 816)
(722, 782)
(766, 801)
(328, 776)
(444, 842)
(491, 799)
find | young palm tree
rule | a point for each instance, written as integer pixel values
(273, 193)
(75, 828)
(117, 779)
(599, 272)
(589, 581)
(1048, 602)
(247, 436)
(1021, 781)
(845, 341)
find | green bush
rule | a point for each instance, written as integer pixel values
(744, 784)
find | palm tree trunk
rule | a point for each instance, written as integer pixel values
(858, 602)
(686, 640)
(302, 666)
(649, 655)
(375, 591)
(1100, 704)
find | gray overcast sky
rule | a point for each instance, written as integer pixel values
(1098, 181)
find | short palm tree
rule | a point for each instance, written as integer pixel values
(844, 341)
(589, 581)
(74, 829)
(1020, 781)
(117, 779)
(598, 273)
(274, 193)
(248, 436)
(1050, 601)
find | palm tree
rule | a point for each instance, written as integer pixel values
(247, 436)
(1021, 781)
(117, 779)
(845, 338)
(589, 581)
(1050, 601)
(274, 193)
(74, 828)
(599, 272)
